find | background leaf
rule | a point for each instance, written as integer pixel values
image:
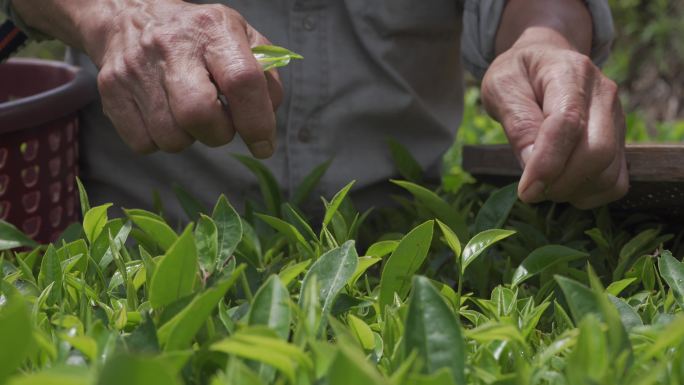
(434, 332)
(404, 263)
(175, 274)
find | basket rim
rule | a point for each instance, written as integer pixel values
(46, 106)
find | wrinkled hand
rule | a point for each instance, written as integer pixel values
(163, 65)
(564, 121)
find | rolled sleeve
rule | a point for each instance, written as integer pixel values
(6, 8)
(481, 21)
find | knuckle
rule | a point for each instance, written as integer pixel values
(243, 79)
(209, 15)
(131, 62)
(572, 116)
(583, 62)
(524, 124)
(106, 79)
(167, 135)
(197, 110)
(155, 38)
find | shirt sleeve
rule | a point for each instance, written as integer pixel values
(481, 21)
(6, 8)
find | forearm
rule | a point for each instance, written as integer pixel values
(72, 21)
(562, 22)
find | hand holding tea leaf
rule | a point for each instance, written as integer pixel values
(163, 65)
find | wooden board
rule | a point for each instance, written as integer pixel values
(656, 174)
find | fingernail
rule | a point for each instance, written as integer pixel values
(262, 149)
(534, 192)
(525, 154)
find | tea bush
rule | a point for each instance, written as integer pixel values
(457, 285)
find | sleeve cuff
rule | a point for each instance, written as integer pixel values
(481, 21)
(8, 10)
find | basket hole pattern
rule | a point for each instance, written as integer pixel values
(38, 169)
(29, 149)
(4, 209)
(4, 183)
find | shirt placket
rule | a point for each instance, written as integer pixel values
(309, 88)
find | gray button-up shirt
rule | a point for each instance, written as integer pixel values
(372, 70)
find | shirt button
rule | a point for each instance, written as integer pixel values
(304, 135)
(309, 23)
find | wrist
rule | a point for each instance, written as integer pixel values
(70, 21)
(565, 24)
(544, 36)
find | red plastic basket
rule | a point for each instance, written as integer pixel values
(39, 104)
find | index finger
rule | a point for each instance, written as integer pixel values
(239, 77)
(564, 105)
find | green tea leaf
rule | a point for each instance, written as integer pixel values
(206, 241)
(15, 334)
(672, 272)
(180, 330)
(437, 206)
(83, 197)
(175, 274)
(191, 205)
(362, 331)
(51, 272)
(309, 183)
(335, 203)
(11, 237)
(271, 307)
(133, 370)
(451, 239)
(441, 377)
(406, 164)
(404, 263)
(617, 287)
(332, 271)
(542, 258)
(61, 375)
(589, 360)
(434, 332)
(381, 248)
(289, 231)
(154, 226)
(281, 355)
(365, 263)
(496, 208)
(118, 241)
(270, 56)
(672, 335)
(494, 331)
(479, 243)
(270, 190)
(580, 298)
(94, 221)
(351, 367)
(229, 227)
(293, 271)
(630, 318)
